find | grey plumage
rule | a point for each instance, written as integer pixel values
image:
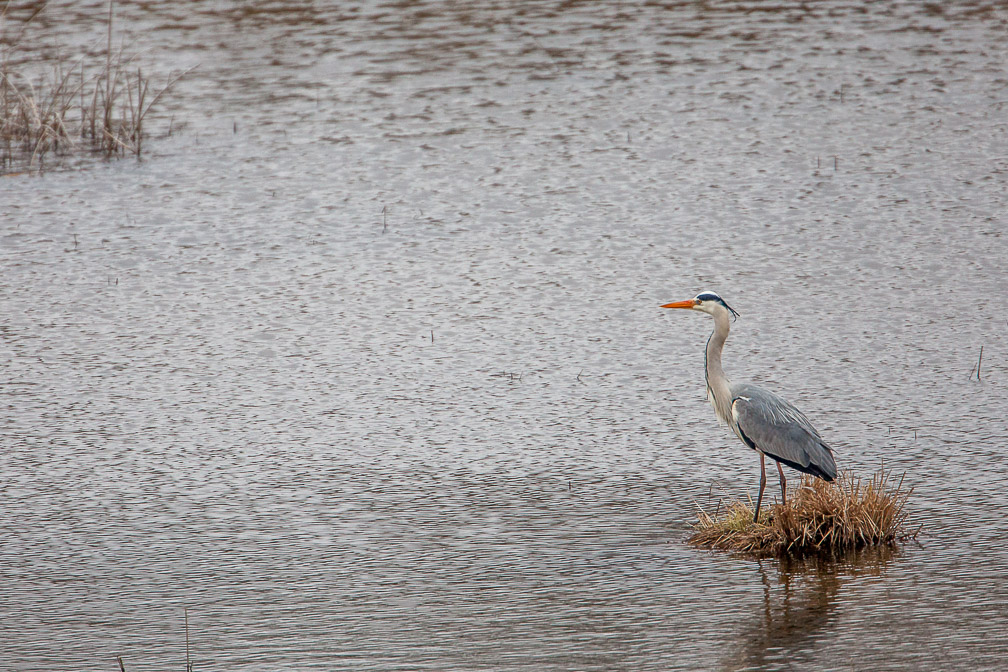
(762, 420)
(776, 428)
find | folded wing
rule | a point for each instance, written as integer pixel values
(775, 427)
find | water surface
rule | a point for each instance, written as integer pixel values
(364, 365)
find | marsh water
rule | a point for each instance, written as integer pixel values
(362, 364)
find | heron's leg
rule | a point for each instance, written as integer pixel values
(762, 484)
(783, 484)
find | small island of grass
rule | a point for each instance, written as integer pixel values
(818, 517)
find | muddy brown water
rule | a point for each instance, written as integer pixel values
(364, 365)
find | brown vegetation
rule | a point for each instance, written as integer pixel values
(60, 107)
(819, 517)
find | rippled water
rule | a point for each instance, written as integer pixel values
(364, 366)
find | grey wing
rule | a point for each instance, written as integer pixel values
(775, 427)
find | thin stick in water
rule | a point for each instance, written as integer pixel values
(976, 367)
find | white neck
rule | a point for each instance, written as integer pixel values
(718, 385)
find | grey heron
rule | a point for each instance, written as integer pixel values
(763, 421)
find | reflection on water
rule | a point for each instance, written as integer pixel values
(365, 366)
(799, 600)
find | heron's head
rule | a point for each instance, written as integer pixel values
(707, 302)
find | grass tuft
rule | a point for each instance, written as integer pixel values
(55, 106)
(818, 518)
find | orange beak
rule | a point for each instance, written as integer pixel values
(680, 304)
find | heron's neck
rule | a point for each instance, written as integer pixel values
(718, 385)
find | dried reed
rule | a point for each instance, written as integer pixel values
(819, 517)
(36, 110)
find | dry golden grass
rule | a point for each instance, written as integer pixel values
(97, 104)
(819, 517)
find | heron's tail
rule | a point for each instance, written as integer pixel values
(821, 463)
